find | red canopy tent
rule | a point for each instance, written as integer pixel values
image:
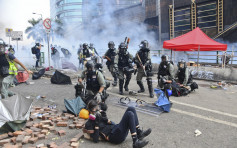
(195, 40)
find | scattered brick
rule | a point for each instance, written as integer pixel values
(46, 122)
(64, 145)
(20, 138)
(10, 134)
(36, 125)
(75, 118)
(52, 145)
(44, 131)
(5, 141)
(33, 118)
(29, 124)
(75, 122)
(79, 135)
(37, 108)
(16, 133)
(28, 131)
(72, 126)
(51, 128)
(62, 124)
(79, 125)
(35, 129)
(71, 116)
(41, 136)
(73, 140)
(3, 136)
(35, 134)
(61, 133)
(75, 144)
(33, 140)
(45, 126)
(26, 139)
(13, 140)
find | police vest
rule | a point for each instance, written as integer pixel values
(111, 54)
(92, 81)
(10, 65)
(86, 53)
(164, 69)
(123, 60)
(181, 75)
(143, 56)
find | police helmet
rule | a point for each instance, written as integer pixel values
(91, 45)
(85, 45)
(165, 57)
(90, 64)
(123, 48)
(182, 64)
(144, 44)
(111, 45)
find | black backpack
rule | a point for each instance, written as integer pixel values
(194, 86)
(33, 50)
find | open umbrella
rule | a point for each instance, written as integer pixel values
(162, 101)
(74, 105)
(14, 112)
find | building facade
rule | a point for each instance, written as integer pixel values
(80, 11)
(217, 18)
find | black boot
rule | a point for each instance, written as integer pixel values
(150, 87)
(115, 81)
(142, 134)
(121, 82)
(140, 84)
(127, 82)
(140, 143)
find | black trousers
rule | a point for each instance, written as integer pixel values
(128, 122)
(38, 59)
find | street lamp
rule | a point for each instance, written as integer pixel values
(38, 14)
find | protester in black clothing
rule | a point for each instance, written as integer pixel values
(38, 54)
(99, 125)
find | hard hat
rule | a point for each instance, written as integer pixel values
(84, 114)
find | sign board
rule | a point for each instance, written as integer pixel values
(17, 35)
(47, 24)
(8, 32)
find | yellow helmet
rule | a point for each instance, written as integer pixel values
(84, 114)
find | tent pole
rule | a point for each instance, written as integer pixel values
(171, 53)
(174, 56)
(222, 64)
(198, 56)
(225, 60)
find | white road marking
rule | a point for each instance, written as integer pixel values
(195, 115)
(205, 109)
(205, 118)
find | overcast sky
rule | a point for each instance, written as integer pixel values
(16, 13)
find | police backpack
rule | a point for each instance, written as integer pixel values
(33, 50)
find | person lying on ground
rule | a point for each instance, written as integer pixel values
(98, 127)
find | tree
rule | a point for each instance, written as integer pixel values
(36, 30)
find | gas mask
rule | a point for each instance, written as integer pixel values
(123, 50)
(2, 49)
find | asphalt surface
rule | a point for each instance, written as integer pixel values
(211, 111)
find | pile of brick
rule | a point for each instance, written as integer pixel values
(44, 121)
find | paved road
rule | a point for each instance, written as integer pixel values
(213, 112)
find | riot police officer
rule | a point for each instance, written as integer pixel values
(110, 56)
(95, 82)
(93, 50)
(144, 67)
(183, 75)
(123, 67)
(85, 51)
(165, 74)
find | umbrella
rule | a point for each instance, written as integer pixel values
(74, 105)
(60, 78)
(37, 75)
(14, 112)
(162, 101)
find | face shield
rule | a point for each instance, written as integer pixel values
(2, 49)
